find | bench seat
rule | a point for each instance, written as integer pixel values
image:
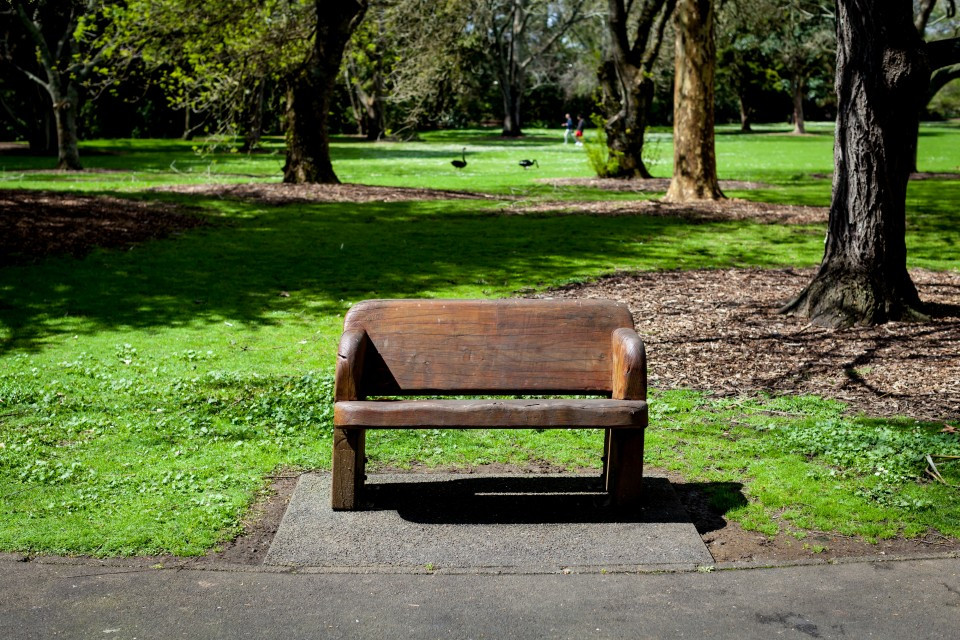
(490, 349)
(597, 413)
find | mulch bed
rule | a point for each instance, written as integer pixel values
(720, 330)
(708, 329)
(278, 193)
(643, 185)
(37, 224)
(723, 210)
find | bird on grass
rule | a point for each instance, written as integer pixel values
(460, 164)
(528, 163)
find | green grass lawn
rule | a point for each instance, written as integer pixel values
(146, 393)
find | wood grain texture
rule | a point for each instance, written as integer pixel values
(624, 466)
(350, 358)
(348, 468)
(623, 450)
(487, 346)
(629, 366)
(495, 414)
(412, 347)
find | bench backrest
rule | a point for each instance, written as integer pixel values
(448, 347)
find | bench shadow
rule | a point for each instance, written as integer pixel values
(541, 499)
(707, 503)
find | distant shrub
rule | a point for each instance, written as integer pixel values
(604, 161)
(946, 104)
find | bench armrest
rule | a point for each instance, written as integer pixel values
(629, 366)
(350, 356)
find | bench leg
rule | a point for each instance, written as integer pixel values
(348, 468)
(624, 466)
(603, 457)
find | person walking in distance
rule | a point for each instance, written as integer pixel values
(579, 134)
(568, 124)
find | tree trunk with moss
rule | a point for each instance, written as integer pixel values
(882, 75)
(626, 80)
(309, 93)
(626, 129)
(694, 158)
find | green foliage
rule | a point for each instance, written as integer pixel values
(215, 54)
(768, 47)
(604, 161)
(893, 452)
(167, 464)
(946, 103)
(145, 393)
(803, 464)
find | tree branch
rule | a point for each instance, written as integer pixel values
(46, 85)
(644, 23)
(650, 57)
(66, 40)
(943, 53)
(940, 78)
(923, 16)
(617, 22)
(18, 123)
(558, 31)
(46, 57)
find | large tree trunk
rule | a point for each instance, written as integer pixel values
(746, 122)
(881, 78)
(512, 73)
(309, 93)
(253, 117)
(694, 158)
(626, 79)
(65, 115)
(511, 110)
(629, 88)
(187, 129)
(367, 107)
(799, 124)
(308, 141)
(376, 118)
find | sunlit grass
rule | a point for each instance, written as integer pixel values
(145, 393)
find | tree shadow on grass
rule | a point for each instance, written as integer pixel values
(317, 259)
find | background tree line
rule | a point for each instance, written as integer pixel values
(405, 64)
(409, 65)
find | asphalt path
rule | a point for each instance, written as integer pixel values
(888, 599)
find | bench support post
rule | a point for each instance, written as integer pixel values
(624, 466)
(603, 457)
(348, 468)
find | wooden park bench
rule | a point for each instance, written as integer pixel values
(491, 347)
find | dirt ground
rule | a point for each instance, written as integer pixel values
(707, 329)
(649, 185)
(721, 330)
(732, 209)
(278, 193)
(37, 224)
